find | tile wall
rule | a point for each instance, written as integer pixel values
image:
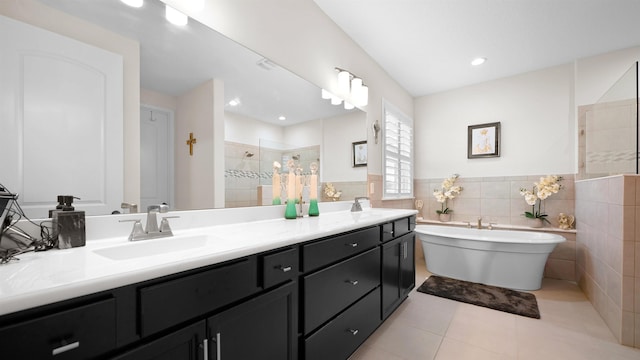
(608, 251)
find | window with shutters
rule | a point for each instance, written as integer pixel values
(398, 154)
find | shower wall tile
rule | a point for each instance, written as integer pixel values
(608, 251)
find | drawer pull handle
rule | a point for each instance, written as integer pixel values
(218, 347)
(352, 245)
(65, 348)
(353, 331)
(353, 282)
(389, 232)
(285, 268)
(205, 346)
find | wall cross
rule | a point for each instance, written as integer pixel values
(190, 142)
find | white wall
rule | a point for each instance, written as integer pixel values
(338, 135)
(596, 74)
(246, 130)
(297, 35)
(536, 115)
(537, 111)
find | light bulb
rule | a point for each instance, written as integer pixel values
(175, 17)
(343, 81)
(348, 105)
(326, 94)
(336, 100)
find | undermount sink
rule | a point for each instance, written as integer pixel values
(143, 248)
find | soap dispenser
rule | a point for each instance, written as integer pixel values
(68, 224)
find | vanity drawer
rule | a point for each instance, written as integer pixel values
(80, 333)
(387, 231)
(331, 290)
(403, 226)
(175, 301)
(279, 267)
(346, 332)
(324, 252)
(398, 228)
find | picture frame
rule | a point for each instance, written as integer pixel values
(359, 153)
(483, 140)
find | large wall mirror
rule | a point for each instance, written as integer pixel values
(176, 64)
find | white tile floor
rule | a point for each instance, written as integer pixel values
(427, 327)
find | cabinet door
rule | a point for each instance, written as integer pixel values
(398, 272)
(185, 344)
(407, 264)
(261, 328)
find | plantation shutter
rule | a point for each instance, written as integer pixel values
(398, 154)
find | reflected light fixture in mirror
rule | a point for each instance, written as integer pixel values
(133, 3)
(176, 17)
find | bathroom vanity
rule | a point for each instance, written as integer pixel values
(314, 293)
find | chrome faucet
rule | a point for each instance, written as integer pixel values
(356, 205)
(479, 223)
(152, 230)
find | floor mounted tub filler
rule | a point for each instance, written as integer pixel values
(506, 258)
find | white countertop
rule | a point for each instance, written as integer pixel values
(47, 277)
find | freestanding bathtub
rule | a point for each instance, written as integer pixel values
(506, 258)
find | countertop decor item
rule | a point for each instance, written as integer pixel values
(565, 222)
(331, 192)
(313, 190)
(541, 190)
(290, 211)
(448, 191)
(419, 206)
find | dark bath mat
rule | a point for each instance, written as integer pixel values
(493, 297)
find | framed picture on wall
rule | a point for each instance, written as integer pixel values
(359, 150)
(483, 140)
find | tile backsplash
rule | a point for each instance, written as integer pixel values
(495, 199)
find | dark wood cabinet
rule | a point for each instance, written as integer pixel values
(398, 272)
(178, 300)
(330, 290)
(317, 300)
(262, 328)
(185, 344)
(82, 332)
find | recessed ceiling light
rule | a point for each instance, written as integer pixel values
(234, 102)
(478, 61)
(282, 118)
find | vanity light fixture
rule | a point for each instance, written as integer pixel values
(349, 83)
(478, 61)
(348, 105)
(133, 3)
(326, 94)
(175, 17)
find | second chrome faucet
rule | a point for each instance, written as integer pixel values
(152, 230)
